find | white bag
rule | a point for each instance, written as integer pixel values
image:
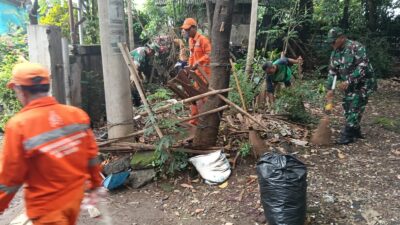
(214, 168)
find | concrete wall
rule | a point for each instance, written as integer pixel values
(44, 44)
(87, 86)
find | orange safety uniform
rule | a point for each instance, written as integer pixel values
(50, 149)
(200, 50)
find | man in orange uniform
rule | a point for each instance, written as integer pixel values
(200, 50)
(49, 148)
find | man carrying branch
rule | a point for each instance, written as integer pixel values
(200, 50)
(279, 71)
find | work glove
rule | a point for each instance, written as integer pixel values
(329, 101)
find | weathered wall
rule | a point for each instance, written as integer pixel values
(45, 48)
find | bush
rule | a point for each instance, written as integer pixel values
(11, 49)
(291, 100)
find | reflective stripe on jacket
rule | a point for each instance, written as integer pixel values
(200, 51)
(50, 149)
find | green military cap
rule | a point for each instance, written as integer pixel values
(333, 34)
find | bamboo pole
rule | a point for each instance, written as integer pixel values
(129, 62)
(205, 113)
(191, 99)
(223, 98)
(140, 132)
(238, 85)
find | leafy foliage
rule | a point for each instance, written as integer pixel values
(11, 49)
(169, 163)
(160, 95)
(244, 149)
(55, 14)
(291, 100)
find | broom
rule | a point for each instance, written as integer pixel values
(323, 134)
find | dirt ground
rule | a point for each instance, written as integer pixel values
(358, 184)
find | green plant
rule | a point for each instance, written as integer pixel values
(244, 149)
(12, 47)
(388, 123)
(249, 88)
(291, 100)
(56, 15)
(160, 94)
(169, 162)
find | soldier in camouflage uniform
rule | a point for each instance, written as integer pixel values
(349, 62)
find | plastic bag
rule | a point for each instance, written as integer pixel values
(283, 189)
(213, 167)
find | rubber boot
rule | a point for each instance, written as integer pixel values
(357, 133)
(346, 136)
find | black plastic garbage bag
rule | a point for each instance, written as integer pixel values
(283, 188)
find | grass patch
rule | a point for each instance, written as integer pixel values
(388, 123)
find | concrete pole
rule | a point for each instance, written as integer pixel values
(130, 26)
(252, 36)
(67, 71)
(116, 76)
(80, 26)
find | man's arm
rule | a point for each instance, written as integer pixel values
(332, 72)
(206, 47)
(361, 65)
(182, 49)
(299, 60)
(94, 167)
(13, 166)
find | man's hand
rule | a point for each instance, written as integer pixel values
(300, 60)
(329, 100)
(329, 95)
(195, 65)
(343, 86)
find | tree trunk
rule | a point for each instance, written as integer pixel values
(306, 7)
(252, 37)
(345, 19)
(209, 17)
(371, 15)
(33, 14)
(207, 130)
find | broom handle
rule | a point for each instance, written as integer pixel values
(334, 82)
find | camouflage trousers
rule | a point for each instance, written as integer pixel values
(354, 106)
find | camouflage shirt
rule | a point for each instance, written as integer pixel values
(139, 56)
(351, 64)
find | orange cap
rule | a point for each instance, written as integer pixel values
(28, 74)
(188, 23)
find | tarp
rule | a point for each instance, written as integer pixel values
(11, 15)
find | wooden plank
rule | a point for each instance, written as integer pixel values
(129, 62)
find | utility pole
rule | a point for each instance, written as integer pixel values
(116, 76)
(72, 22)
(252, 36)
(130, 26)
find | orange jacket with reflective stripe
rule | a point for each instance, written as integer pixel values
(200, 50)
(50, 149)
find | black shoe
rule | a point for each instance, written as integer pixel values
(357, 133)
(346, 136)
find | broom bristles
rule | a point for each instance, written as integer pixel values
(323, 134)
